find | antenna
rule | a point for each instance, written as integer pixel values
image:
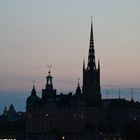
(107, 94)
(119, 94)
(131, 94)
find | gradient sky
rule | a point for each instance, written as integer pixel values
(35, 33)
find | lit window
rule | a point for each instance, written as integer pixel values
(47, 115)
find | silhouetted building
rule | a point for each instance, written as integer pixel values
(11, 114)
(81, 112)
(67, 113)
(12, 123)
(81, 116)
(91, 76)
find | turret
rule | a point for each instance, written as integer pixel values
(78, 89)
(49, 83)
(33, 99)
(49, 91)
(5, 110)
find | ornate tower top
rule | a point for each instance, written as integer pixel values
(48, 92)
(91, 57)
(49, 80)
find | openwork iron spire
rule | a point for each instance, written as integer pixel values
(91, 55)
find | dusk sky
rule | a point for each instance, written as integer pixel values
(36, 33)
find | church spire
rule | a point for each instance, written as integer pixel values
(91, 55)
(78, 90)
(33, 92)
(91, 76)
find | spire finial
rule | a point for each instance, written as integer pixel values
(33, 84)
(78, 81)
(91, 33)
(92, 25)
(49, 66)
(91, 19)
(33, 92)
(78, 90)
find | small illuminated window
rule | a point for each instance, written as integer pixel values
(47, 115)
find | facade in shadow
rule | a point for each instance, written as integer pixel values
(83, 115)
(68, 113)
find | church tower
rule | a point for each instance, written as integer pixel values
(91, 75)
(49, 91)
